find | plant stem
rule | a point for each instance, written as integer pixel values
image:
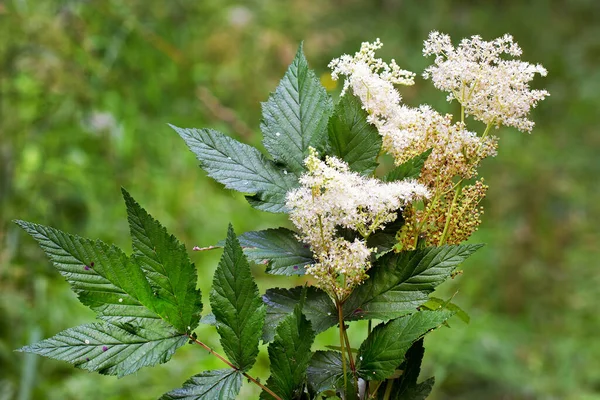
(220, 357)
(449, 216)
(341, 322)
(388, 389)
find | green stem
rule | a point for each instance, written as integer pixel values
(388, 389)
(449, 216)
(342, 343)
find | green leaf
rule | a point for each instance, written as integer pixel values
(240, 167)
(318, 308)
(149, 301)
(400, 282)
(385, 240)
(167, 267)
(295, 116)
(289, 354)
(406, 387)
(284, 254)
(411, 169)
(109, 349)
(102, 276)
(221, 384)
(383, 350)
(325, 372)
(237, 305)
(352, 138)
(435, 303)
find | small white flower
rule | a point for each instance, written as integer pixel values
(120, 300)
(86, 341)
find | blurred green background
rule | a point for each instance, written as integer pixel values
(86, 91)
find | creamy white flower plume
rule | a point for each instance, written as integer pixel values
(332, 196)
(492, 89)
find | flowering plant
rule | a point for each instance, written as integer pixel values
(372, 244)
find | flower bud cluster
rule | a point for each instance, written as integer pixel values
(332, 197)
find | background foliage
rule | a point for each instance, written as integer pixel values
(86, 90)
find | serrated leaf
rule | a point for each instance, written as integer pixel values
(289, 354)
(295, 116)
(284, 254)
(167, 267)
(318, 308)
(109, 349)
(240, 167)
(384, 240)
(384, 349)
(325, 372)
(101, 275)
(435, 303)
(352, 138)
(406, 387)
(400, 282)
(237, 305)
(221, 384)
(411, 169)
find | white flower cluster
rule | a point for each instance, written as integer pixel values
(490, 88)
(406, 131)
(333, 197)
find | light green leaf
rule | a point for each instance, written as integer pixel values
(284, 254)
(435, 303)
(295, 116)
(237, 305)
(167, 267)
(109, 349)
(240, 167)
(384, 349)
(289, 354)
(411, 169)
(318, 308)
(352, 138)
(221, 384)
(400, 282)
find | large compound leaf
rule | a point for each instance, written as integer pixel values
(352, 138)
(289, 355)
(284, 254)
(384, 349)
(146, 320)
(400, 282)
(109, 349)
(102, 276)
(318, 308)
(221, 384)
(167, 267)
(295, 116)
(237, 305)
(240, 167)
(411, 169)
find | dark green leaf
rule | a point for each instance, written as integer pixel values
(411, 169)
(295, 116)
(101, 275)
(318, 308)
(109, 349)
(383, 350)
(237, 305)
(406, 387)
(352, 138)
(400, 282)
(385, 239)
(167, 267)
(325, 372)
(240, 167)
(280, 248)
(289, 354)
(221, 384)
